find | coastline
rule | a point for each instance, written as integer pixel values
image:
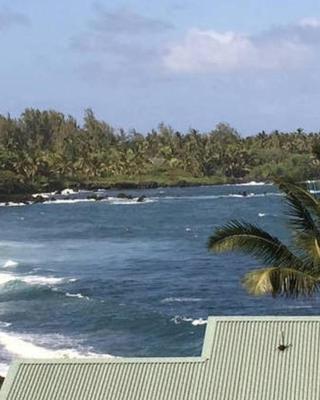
(30, 197)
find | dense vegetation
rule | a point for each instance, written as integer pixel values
(46, 150)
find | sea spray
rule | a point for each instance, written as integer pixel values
(10, 264)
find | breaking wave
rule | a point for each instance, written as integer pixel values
(252, 183)
(117, 201)
(109, 200)
(12, 204)
(68, 201)
(195, 322)
(4, 324)
(181, 300)
(223, 196)
(30, 279)
(10, 264)
(41, 346)
(77, 295)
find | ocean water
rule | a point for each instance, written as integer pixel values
(120, 278)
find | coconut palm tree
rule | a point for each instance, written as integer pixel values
(293, 271)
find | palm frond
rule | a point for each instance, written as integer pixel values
(299, 216)
(300, 192)
(305, 228)
(250, 239)
(288, 282)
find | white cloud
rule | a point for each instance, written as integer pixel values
(310, 22)
(210, 51)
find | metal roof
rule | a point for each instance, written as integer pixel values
(240, 360)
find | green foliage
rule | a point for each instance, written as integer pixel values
(288, 282)
(47, 148)
(287, 272)
(246, 237)
(10, 183)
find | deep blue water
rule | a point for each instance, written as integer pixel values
(128, 279)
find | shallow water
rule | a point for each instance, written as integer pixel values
(127, 279)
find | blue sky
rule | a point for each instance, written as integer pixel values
(189, 63)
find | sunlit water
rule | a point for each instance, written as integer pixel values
(127, 279)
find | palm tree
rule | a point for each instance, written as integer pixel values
(289, 272)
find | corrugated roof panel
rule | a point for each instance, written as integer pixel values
(240, 361)
(247, 364)
(117, 381)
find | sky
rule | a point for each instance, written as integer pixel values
(187, 63)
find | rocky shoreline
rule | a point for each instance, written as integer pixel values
(96, 189)
(67, 195)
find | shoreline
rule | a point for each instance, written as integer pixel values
(33, 198)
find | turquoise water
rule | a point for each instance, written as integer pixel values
(127, 279)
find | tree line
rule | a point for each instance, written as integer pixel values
(47, 150)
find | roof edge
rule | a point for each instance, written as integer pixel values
(208, 338)
(7, 384)
(105, 360)
(270, 318)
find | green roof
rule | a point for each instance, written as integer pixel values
(241, 360)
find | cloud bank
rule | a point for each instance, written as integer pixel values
(282, 48)
(125, 22)
(120, 32)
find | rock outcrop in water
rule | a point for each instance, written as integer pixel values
(40, 198)
(96, 197)
(124, 196)
(141, 199)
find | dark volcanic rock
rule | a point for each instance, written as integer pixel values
(39, 199)
(96, 197)
(141, 199)
(125, 196)
(16, 198)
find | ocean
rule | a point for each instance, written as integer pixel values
(120, 278)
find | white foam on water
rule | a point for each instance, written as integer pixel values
(30, 279)
(10, 264)
(198, 322)
(4, 324)
(221, 196)
(24, 346)
(12, 204)
(44, 195)
(67, 191)
(4, 278)
(41, 280)
(301, 306)
(20, 244)
(127, 202)
(252, 183)
(177, 319)
(68, 201)
(195, 322)
(181, 300)
(77, 295)
(261, 215)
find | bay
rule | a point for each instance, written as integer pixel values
(121, 278)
